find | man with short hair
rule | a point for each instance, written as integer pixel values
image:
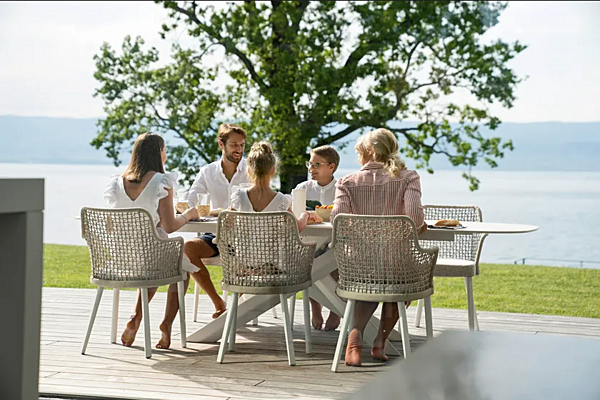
(216, 179)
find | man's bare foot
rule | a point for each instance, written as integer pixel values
(333, 321)
(219, 310)
(378, 353)
(354, 348)
(128, 336)
(165, 339)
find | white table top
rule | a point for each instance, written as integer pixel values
(325, 229)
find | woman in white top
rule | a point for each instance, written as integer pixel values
(146, 185)
(262, 166)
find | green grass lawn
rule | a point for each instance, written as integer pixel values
(507, 288)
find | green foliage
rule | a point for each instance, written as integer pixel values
(309, 73)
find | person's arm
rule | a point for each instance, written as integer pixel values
(198, 187)
(342, 204)
(302, 220)
(412, 203)
(168, 220)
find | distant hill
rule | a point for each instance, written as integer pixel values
(538, 146)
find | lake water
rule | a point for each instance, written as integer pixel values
(563, 204)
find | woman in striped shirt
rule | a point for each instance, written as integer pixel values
(383, 186)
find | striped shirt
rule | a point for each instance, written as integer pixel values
(372, 192)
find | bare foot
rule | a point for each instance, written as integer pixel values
(219, 310)
(165, 340)
(354, 348)
(333, 321)
(128, 336)
(317, 317)
(378, 353)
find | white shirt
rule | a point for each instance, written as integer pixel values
(241, 202)
(323, 194)
(212, 181)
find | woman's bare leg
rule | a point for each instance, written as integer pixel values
(170, 312)
(128, 336)
(362, 314)
(389, 317)
(196, 250)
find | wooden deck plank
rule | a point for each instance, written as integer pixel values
(257, 369)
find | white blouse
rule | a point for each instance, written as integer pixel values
(241, 202)
(156, 189)
(115, 196)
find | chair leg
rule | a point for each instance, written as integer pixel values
(348, 312)
(180, 295)
(307, 333)
(274, 312)
(226, 328)
(99, 292)
(292, 310)
(233, 326)
(146, 318)
(196, 300)
(428, 317)
(470, 302)
(418, 314)
(289, 339)
(115, 316)
(404, 331)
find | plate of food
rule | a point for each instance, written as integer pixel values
(446, 224)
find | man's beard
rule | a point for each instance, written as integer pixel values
(230, 157)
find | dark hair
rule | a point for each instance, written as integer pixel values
(145, 157)
(227, 129)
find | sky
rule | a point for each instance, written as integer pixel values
(47, 49)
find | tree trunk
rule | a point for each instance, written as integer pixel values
(290, 176)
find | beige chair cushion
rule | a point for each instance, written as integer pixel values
(454, 268)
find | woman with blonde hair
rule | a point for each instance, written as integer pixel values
(383, 186)
(262, 167)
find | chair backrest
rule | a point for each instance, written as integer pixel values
(463, 247)
(262, 250)
(125, 247)
(381, 255)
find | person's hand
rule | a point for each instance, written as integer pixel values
(314, 218)
(191, 213)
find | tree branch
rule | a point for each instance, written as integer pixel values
(338, 135)
(418, 143)
(226, 42)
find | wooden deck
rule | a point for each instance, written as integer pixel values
(256, 370)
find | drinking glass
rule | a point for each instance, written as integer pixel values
(181, 204)
(203, 205)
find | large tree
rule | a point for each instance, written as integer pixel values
(307, 73)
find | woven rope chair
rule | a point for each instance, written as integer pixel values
(458, 258)
(380, 260)
(261, 253)
(126, 252)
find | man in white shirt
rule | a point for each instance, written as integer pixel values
(324, 161)
(216, 179)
